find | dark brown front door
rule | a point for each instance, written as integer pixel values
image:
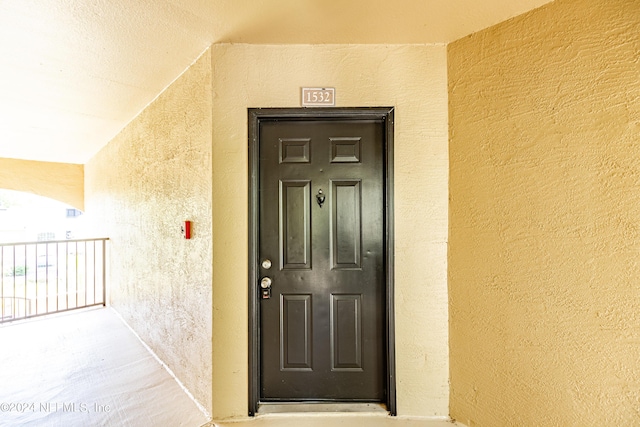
(321, 229)
(322, 306)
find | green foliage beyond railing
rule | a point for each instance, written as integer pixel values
(40, 278)
(19, 270)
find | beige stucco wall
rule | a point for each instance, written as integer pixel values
(412, 79)
(545, 218)
(60, 181)
(139, 189)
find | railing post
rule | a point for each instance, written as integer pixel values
(104, 273)
(13, 304)
(2, 280)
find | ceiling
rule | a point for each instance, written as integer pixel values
(73, 73)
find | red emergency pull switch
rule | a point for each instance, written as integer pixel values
(186, 230)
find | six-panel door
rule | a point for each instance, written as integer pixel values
(321, 225)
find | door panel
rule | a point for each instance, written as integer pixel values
(295, 224)
(346, 332)
(321, 223)
(345, 150)
(295, 333)
(294, 150)
(346, 224)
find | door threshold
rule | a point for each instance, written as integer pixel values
(321, 407)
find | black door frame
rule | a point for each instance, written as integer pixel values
(256, 115)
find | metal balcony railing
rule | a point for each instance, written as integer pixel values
(38, 278)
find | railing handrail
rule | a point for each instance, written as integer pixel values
(44, 242)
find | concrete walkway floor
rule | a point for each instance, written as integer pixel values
(327, 414)
(336, 419)
(86, 368)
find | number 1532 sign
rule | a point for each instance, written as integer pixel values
(318, 97)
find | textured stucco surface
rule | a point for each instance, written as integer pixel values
(60, 181)
(411, 78)
(545, 218)
(76, 72)
(139, 189)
